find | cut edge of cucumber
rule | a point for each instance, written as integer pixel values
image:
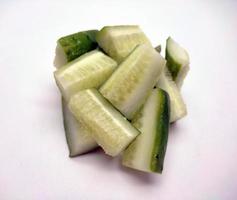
(177, 61)
(68, 88)
(177, 52)
(71, 127)
(106, 38)
(178, 108)
(106, 134)
(153, 70)
(60, 58)
(182, 74)
(147, 151)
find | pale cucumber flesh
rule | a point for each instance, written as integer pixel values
(79, 140)
(128, 87)
(107, 126)
(177, 106)
(60, 58)
(177, 61)
(88, 71)
(147, 151)
(119, 41)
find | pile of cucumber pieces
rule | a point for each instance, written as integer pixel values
(119, 93)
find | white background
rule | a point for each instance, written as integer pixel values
(201, 161)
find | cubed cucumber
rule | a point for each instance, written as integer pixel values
(128, 87)
(119, 41)
(177, 61)
(88, 71)
(78, 138)
(177, 106)
(147, 151)
(108, 127)
(72, 46)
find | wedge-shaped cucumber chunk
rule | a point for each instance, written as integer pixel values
(128, 87)
(177, 106)
(147, 151)
(177, 61)
(107, 126)
(72, 46)
(119, 41)
(79, 139)
(88, 71)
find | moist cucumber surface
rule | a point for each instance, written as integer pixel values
(177, 106)
(88, 71)
(79, 139)
(120, 94)
(147, 151)
(107, 126)
(119, 41)
(72, 46)
(177, 61)
(128, 87)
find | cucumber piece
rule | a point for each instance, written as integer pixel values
(87, 71)
(78, 138)
(108, 127)
(119, 41)
(177, 105)
(147, 151)
(72, 46)
(128, 87)
(177, 61)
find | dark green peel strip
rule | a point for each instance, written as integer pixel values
(161, 138)
(76, 44)
(173, 66)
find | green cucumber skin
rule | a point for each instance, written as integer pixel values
(174, 67)
(161, 139)
(147, 152)
(76, 44)
(178, 108)
(177, 61)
